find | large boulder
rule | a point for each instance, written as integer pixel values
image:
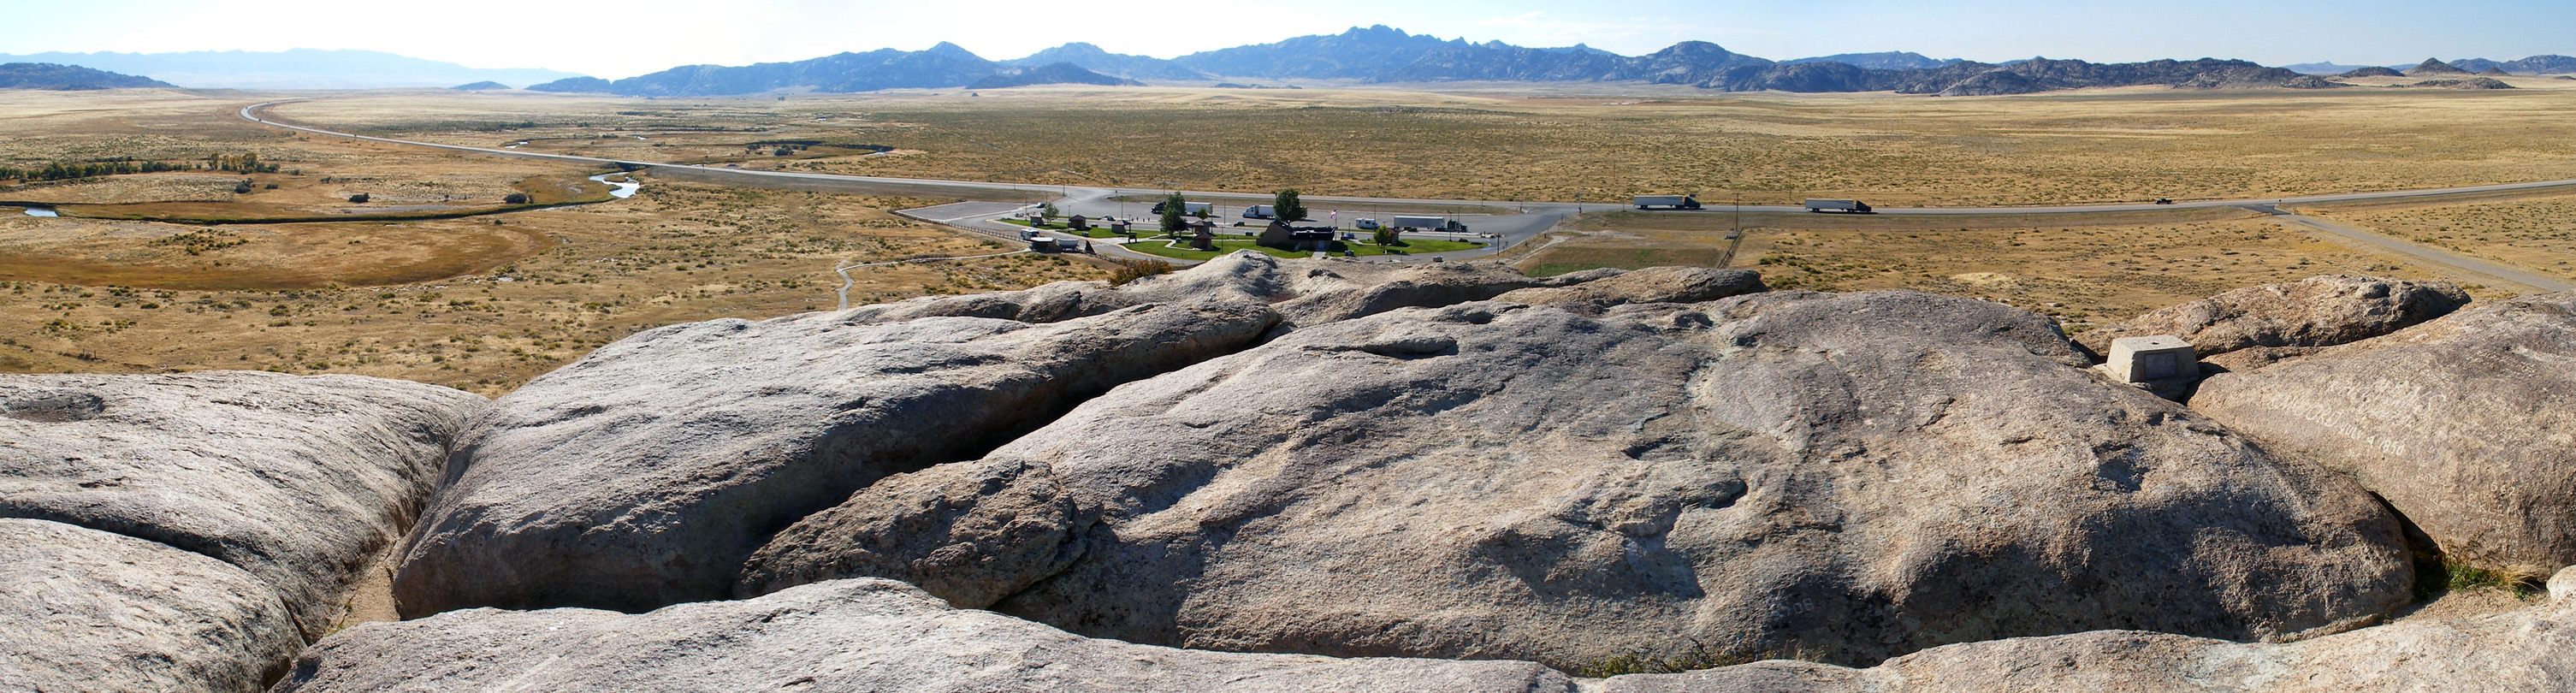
(2532, 649)
(85, 610)
(643, 474)
(849, 635)
(1846, 476)
(301, 481)
(2461, 423)
(2313, 312)
(970, 533)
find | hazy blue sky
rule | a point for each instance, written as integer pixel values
(618, 39)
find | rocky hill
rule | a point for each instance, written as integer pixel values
(2432, 67)
(1090, 57)
(68, 78)
(2373, 72)
(1294, 475)
(576, 84)
(2466, 83)
(1890, 60)
(480, 86)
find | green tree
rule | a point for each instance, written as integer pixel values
(1172, 206)
(1047, 210)
(1384, 235)
(1285, 205)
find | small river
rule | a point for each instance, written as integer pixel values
(625, 188)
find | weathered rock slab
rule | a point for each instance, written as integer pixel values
(85, 610)
(2533, 649)
(2313, 312)
(645, 473)
(847, 635)
(298, 480)
(1850, 476)
(2461, 423)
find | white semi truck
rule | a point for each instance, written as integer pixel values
(1673, 201)
(1843, 206)
(1428, 224)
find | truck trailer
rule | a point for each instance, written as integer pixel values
(1428, 224)
(1843, 206)
(1673, 201)
(1257, 212)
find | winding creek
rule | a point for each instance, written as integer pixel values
(626, 185)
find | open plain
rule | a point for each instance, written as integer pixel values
(2127, 144)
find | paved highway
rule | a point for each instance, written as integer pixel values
(1535, 217)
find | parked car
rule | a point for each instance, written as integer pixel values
(1365, 224)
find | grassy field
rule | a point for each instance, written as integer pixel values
(2095, 145)
(481, 303)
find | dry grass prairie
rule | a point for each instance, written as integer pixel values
(2094, 145)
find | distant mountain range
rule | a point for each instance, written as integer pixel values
(68, 78)
(301, 68)
(1380, 54)
(1370, 55)
(1383, 55)
(2534, 65)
